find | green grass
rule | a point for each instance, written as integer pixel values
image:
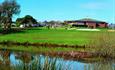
(102, 41)
(58, 36)
(38, 49)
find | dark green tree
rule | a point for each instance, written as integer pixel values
(26, 20)
(9, 9)
(1, 10)
(29, 18)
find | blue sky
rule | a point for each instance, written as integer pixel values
(68, 9)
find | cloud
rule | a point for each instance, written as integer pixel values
(94, 5)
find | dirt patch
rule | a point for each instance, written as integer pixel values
(71, 54)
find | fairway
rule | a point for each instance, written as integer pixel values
(55, 36)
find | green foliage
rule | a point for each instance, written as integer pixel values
(7, 9)
(26, 20)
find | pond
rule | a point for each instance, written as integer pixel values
(17, 60)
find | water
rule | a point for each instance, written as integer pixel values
(10, 60)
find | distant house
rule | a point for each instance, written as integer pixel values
(87, 22)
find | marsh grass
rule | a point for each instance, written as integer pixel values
(100, 66)
(103, 44)
(26, 44)
(38, 49)
(42, 63)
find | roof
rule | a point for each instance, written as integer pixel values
(89, 19)
(86, 20)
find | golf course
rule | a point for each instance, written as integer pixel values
(60, 39)
(57, 35)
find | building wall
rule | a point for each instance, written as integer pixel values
(102, 25)
(91, 25)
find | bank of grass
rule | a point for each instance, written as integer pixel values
(103, 45)
(55, 36)
(34, 49)
(101, 42)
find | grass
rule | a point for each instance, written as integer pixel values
(38, 63)
(38, 49)
(101, 42)
(104, 45)
(58, 36)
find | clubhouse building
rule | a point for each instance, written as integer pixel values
(88, 22)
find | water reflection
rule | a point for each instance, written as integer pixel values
(14, 60)
(10, 60)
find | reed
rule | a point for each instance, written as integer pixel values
(42, 63)
(104, 45)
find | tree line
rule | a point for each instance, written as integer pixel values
(9, 8)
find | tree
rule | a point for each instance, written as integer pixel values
(27, 20)
(1, 13)
(19, 21)
(9, 8)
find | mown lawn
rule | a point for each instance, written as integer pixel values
(99, 42)
(57, 36)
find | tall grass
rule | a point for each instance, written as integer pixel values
(41, 63)
(100, 66)
(104, 44)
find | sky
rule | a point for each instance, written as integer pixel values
(68, 9)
